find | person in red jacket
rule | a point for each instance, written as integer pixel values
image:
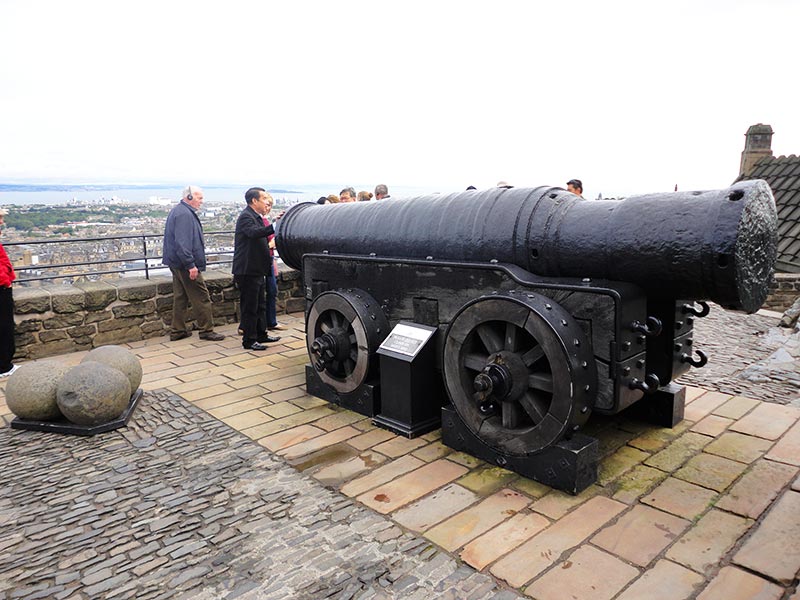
(7, 276)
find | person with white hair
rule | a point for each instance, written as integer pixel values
(381, 192)
(185, 255)
(7, 277)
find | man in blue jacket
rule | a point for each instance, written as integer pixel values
(251, 263)
(185, 255)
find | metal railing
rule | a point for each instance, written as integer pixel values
(151, 257)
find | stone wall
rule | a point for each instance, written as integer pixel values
(58, 319)
(783, 291)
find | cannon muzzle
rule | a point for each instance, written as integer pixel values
(717, 245)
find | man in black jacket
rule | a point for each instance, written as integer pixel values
(251, 262)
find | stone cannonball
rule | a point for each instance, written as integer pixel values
(93, 393)
(121, 359)
(31, 390)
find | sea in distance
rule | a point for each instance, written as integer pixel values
(55, 194)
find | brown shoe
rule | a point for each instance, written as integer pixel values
(174, 337)
(279, 327)
(212, 336)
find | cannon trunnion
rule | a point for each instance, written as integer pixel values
(523, 358)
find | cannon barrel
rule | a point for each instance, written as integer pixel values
(717, 245)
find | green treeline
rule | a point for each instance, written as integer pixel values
(41, 217)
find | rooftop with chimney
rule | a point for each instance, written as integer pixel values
(783, 176)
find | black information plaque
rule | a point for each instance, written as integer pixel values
(410, 386)
(407, 338)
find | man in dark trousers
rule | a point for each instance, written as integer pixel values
(185, 255)
(251, 263)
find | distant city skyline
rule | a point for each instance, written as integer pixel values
(59, 194)
(433, 96)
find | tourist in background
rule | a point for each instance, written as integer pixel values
(185, 255)
(364, 196)
(576, 187)
(272, 276)
(381, 192)
(252, 262)
(348, 194)
(7, 277)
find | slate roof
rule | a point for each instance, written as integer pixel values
(783, 176)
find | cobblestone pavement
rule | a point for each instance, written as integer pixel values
(178, 504)
(748, 355)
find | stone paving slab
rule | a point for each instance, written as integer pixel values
(708, 507)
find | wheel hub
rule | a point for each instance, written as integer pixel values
(494, 380)
(329, 347)
(504, 378)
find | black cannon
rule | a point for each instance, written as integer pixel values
(545, 308)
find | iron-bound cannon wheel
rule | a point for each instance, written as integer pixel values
(519, 371)
(343, 330)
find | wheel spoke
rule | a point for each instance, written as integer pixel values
(352, 339)
(541, 381)
(349, 365)
(354, 354)
(536, 407)
(491, 340)
(324, 326)
(475, 362)
(511, 337)
(532, 355)
(512, 415)
(334, 318)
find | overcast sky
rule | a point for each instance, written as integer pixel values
(630, 97)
